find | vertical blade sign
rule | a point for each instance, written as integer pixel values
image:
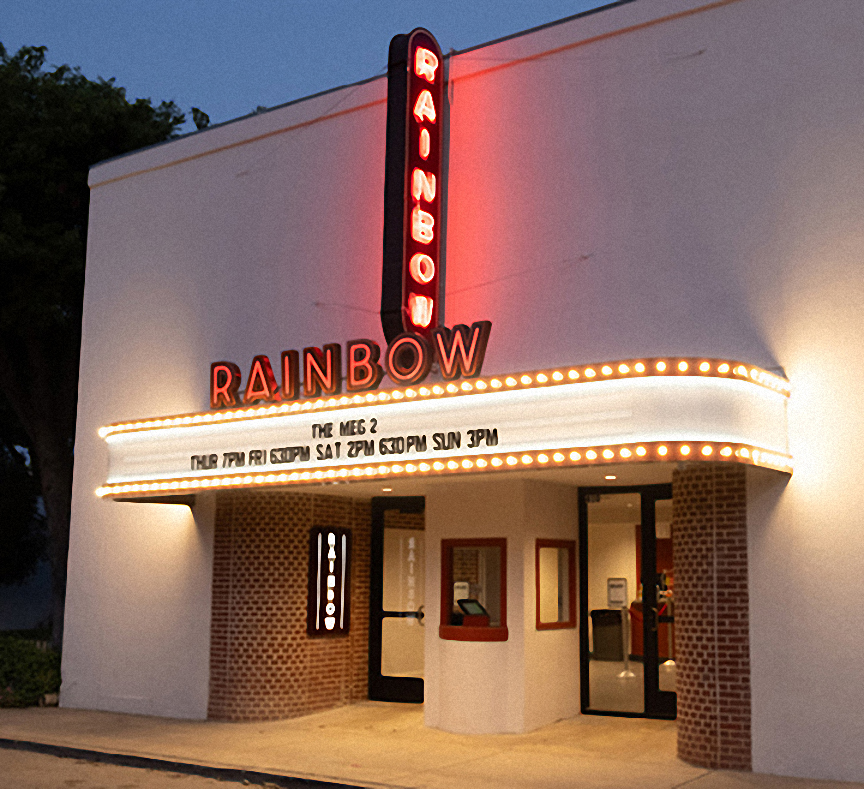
(412, 186)
(329, 602)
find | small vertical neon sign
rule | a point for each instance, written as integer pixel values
(413, 186)
(329, 599)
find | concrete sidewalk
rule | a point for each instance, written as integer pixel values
(385, 745)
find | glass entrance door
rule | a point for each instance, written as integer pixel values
(626, 601)
(396, 599)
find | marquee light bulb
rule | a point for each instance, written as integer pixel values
(661, 367)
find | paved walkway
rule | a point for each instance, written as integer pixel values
(386, 745)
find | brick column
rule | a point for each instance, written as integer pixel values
(712, 621)
(263, 665)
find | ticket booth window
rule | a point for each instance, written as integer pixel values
(474, 590)
(555, 573)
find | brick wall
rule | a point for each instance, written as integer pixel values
(394, 519)
(263, 665)
(712, 615)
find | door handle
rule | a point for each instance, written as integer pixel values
(655, 619)
(419, 614)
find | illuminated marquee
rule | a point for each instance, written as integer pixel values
(328, 611)
(629, 411)
(412, 186)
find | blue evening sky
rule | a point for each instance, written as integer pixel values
(230, 56)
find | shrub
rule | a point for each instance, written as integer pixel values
(26, 671)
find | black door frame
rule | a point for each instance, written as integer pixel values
(381, 687)
(658, 703)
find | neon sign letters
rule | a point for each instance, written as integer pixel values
(328, 610)
(412, 186)
(459, 352)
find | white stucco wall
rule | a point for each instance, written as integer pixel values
(532, 678)
(664, 177)
(246, 251)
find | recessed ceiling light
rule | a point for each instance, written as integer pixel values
(386, 490)
(611, 476)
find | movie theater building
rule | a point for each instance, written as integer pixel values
(523, 382)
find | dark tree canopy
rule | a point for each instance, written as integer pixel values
(54, 125)
(22, 525)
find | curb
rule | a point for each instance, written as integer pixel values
(235, 774)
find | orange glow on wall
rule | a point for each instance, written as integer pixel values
(425, 64)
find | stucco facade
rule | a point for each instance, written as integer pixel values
(659, 178)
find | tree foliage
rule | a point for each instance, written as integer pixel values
(54, 125)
